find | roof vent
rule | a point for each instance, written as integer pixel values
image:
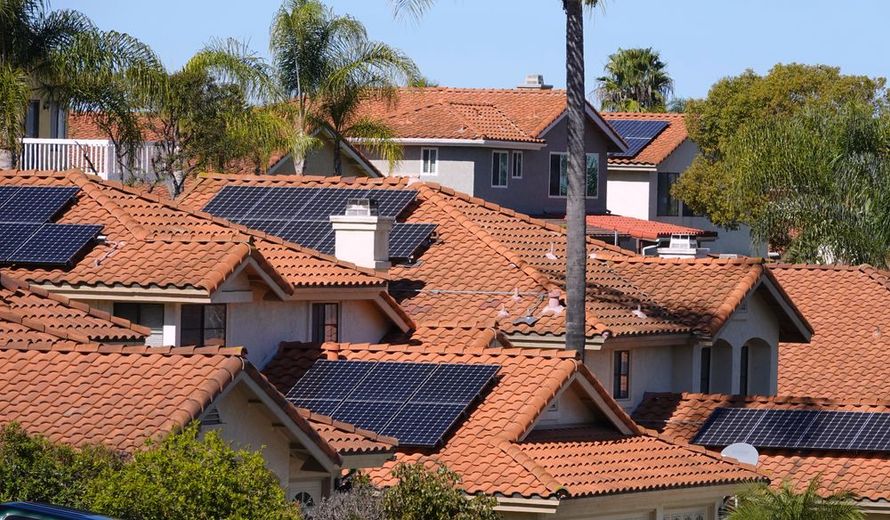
(361, 207)
(683, 245)
(535, 82)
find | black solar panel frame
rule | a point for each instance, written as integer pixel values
(406, 239)
(330, 379)
(235, 202)
(637, 134)
(423, 424)
(55, 244)
(36, 204)
(13, 235)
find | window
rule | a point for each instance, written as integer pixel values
(32, 120)
(325, 322)
(499, 167)
(743, 371)
(704, 384)
(57, 121)
(668, 205)
(621, 379)
(559, 182)
(203, 324)
(517, 165)
(430, 159)
(149, 315)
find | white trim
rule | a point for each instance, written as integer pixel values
(513, 156)
(507, 176)
(391, 313)
(598, 120)
(618, 168)
(527, 505)
(483, 143)
(434, 164)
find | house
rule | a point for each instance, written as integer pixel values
(507, 146)
(191, 278)
(864, 473)
(64, 375)
(653, 324)
(640, 180)
(545, 439)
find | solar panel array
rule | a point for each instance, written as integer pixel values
(300, 215)
(797, 429)
(26, 234)
(637, 134)
(417, 403)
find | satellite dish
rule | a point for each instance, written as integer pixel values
(742, 452)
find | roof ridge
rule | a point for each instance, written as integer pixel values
(775, 399)
(518, 456)
(90, 347)
(668, 115)
(13, 283)
(473, 351)
(87, 185)
(497, 109)
(345, 426)
(9, 315)
(151, 197)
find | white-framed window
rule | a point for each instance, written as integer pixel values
(325, 322)
(517, 165)
(621, 374)
(500, 165)
(693, 514)
(559, 180)
(430, 159)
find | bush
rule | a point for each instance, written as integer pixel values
(185, 477)
(424, 494)
(362, 502)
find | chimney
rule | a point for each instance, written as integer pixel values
(683, 246)
(361, 236)
(535, 82)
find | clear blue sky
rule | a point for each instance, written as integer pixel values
(494, 43)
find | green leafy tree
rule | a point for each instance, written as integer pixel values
(734, 104)
(636, 80)
(576, 171)
(327, 64)
(763, 502)
(424, 494)
(816, 184)
(34, 469)
(191, 477)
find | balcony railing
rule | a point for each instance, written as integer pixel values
(95, 156)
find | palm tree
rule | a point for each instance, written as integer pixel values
(327, 64)
(576, 209)
(53, 54)
(635, 81)
(763, 502)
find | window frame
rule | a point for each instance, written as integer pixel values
(617, 374)
(588, 156)
(156, 338)
(203, 323)
(431, 151)
(517, 154)
(32, 119)
(704, 370)
(314, 326)
(682, 209)
(744, 364)
(506, 155)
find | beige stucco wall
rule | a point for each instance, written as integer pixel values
(321, 162)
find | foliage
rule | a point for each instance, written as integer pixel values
(329, 66)
(190, 477)
(361, 502)
(34, 469)
(734, 104)
(424, 494)
(762, 502)
(635, 81)
(816, 183)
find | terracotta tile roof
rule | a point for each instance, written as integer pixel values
(847, 309)
(486, 449)
(495, 265)
(346, 438)
(661, 147)
(152, 242)
(520, 115)
(680, 416)
(23, 303)
(639, 228)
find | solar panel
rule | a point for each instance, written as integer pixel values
(273, 227)
(235, 202)
(36, 204)
(312, 234)
(637, 134)
(6, 192)
(405, 239)
(797, 429)
(418, 403)
(55, 244)
(13, 235)
(282, 203)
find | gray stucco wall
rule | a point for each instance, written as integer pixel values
(468, 170)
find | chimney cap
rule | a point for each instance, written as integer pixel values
(535, 82)
(363, 207)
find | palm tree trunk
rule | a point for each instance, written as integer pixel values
(576, 254)
(338, 157)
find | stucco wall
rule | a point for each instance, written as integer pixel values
(628, 193)
(321, 162)
(651, 370)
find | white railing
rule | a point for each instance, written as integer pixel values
(90, 155)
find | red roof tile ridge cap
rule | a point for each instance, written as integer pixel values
(529, 464)
(334, 179)
(423, 90)
(667, 115)
(346, 427)
(735, 297)
(93, 187)
(248, 231)
(9, 315)
(773, 399)
(395, 306)
(607, 398)
(13, 283)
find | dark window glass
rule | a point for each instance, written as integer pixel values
(668, 206)
(430, 159)
(32, 120)
(621, 379)
(743, 372)
(325, 322)
(499, 168)
(150, 315)
(517, 165)
(705, 371)
(592, 174)
(203, 324)
(558, 180)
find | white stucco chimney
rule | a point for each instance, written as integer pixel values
(683, 246)
(361, 236)
(535, 82)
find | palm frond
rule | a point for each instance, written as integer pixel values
(376, 137)
(15, 92)
(231, 61)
